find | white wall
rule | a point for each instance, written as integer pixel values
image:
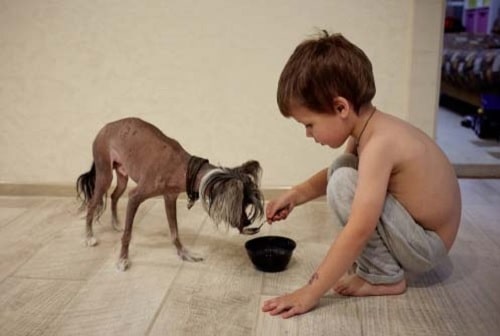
(205, 72)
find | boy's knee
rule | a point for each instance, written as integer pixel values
(344, 160)
(343, 182)
(340, 191)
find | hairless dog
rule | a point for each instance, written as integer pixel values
(161, 167)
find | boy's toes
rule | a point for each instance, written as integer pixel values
(341, 284)
(339, 289)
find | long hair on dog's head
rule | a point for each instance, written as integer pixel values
(232, 195)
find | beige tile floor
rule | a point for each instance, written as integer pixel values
(471, 156)
(50, 284)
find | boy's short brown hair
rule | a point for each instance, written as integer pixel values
(324, 68)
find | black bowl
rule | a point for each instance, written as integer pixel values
(270, 253)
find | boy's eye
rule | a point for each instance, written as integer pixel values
(308, 125)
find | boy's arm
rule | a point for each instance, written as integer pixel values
(279, 208)
(373, 177)
(312, 188)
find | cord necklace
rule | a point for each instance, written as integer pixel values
(364, 126)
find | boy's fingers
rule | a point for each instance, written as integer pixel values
(290, 312)
(271, 212)
(283, 212)
(279, 309)
(279, 214)
(267, 306)
(275, 217)
(273, 306)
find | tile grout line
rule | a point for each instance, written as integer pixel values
(31, 256)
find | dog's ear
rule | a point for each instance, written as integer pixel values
(251, 168)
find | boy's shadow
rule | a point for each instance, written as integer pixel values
(444, 272)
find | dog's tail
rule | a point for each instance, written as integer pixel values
(85, 185)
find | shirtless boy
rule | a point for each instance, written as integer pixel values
(393, 190)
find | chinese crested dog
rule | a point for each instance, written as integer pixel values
(161, 167)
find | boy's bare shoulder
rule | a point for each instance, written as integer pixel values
(394, 128)
(399, 139)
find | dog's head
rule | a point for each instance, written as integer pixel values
(232, 195)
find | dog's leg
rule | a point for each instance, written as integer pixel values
(90, 240)
(121, 185)
(171, 209)
(104, 177)
(136, 197)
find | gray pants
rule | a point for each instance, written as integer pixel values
(398, 244)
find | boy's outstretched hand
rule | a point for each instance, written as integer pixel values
(299, 302)
(279, 208)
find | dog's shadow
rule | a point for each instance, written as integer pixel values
(219, 244)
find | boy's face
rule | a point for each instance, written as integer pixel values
(329, 129)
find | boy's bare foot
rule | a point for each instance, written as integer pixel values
(353, 285)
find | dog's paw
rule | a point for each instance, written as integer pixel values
(187, 256)
(90, 241)
(122, 264)
(116, 226)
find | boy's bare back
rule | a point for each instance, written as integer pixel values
(421, 177)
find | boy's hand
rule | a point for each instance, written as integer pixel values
(277, 215)
(299, 302)
(279, 208)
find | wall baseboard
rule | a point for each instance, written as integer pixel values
(34, 189)
(485, 171)
(476, 171)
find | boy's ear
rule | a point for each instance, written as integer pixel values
(341, 106)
